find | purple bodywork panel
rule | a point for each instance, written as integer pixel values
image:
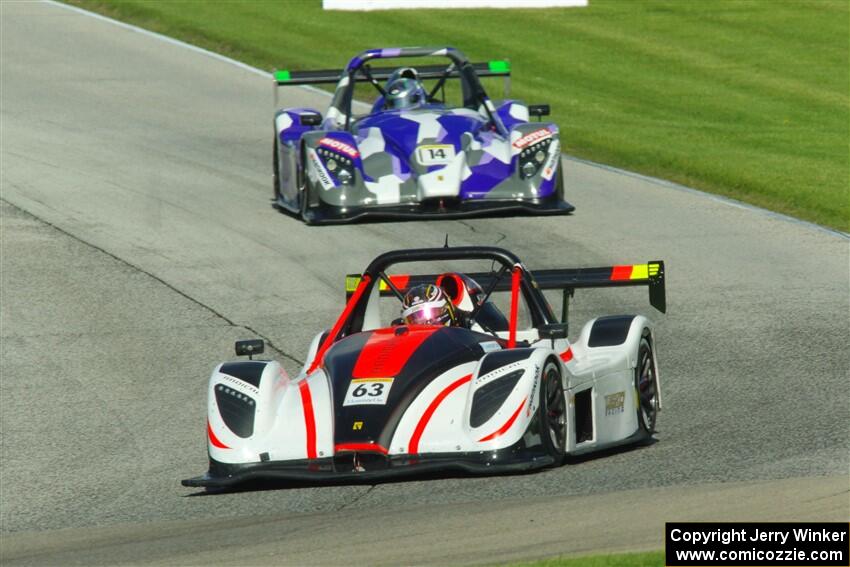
(292, 129)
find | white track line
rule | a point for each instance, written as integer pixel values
(669, 184)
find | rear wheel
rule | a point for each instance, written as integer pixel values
(552, 412)
(646, 385)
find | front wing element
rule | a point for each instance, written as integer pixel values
(353, 467)
(432, 211)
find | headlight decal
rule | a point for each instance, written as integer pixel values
(532, 157)
(341, 166)
(489, 398)
(236, 409)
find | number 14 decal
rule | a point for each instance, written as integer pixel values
(435, 154)
(368, 391)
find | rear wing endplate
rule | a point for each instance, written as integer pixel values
(284, 78)
(650, 274)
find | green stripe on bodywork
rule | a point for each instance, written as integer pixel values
(499, 66)
(281, 76)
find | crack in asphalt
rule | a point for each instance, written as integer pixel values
(357, 498)
(269, 342)
(212, 310)
(501, 236)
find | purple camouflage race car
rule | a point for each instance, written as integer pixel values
(411, 154)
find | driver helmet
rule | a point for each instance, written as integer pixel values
(404, 89)
(427, 305)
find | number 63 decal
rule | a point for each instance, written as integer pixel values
(368, 391)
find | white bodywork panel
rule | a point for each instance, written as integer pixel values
(280, 426)
(443, 182)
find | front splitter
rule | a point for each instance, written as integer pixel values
(326, 214)
(336, 470)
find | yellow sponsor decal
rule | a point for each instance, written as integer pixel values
(360, 380)
(351, 283)
(358, 425)
(644, 271)
(639, 272)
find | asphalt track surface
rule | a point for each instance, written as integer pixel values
(139, 241)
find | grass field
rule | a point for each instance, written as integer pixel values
(749, 99)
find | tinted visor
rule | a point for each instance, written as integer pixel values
(426, 316)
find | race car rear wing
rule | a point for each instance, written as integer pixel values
(284, 78)
(650, 274)
(568, 280)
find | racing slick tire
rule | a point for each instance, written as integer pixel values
(304, 190)
(646, 385)
(552, 412)
(276, 174)
(303, 200)
(559, 182)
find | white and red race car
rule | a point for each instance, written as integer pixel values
(502, 390)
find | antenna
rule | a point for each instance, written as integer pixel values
(446, 245)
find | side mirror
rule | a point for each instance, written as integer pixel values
(538, 110)
(310, 119)
(554, 331)
(249, 348)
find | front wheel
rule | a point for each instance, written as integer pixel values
(303, 192)
(646, 385)
(559, 182)
(276, 172)
(552, 412)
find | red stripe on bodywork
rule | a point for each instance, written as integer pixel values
(360, 448)
(213, 439)
(413, 446)
(515, 279)
(567, 355)
(621, 273)
(309, 418)
(506, 426)
(385, 352)
(329, 340)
